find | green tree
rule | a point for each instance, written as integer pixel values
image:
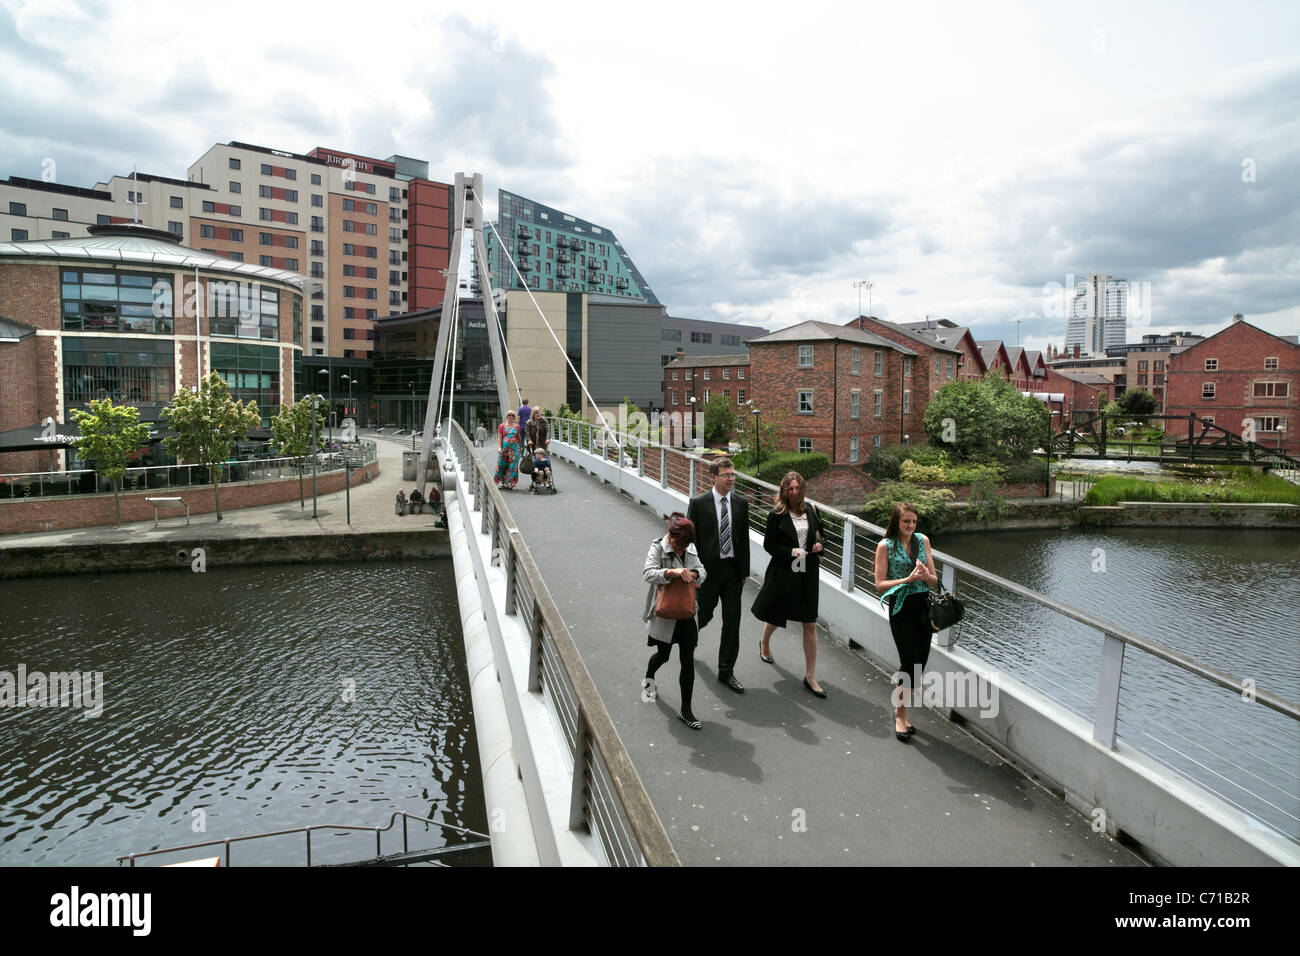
(291, 434)
(986, 421)
(1137, 402)
(110, 435)
(760, 433)
(719, 419)
(208, 423)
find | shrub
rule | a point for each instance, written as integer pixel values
(985, 502)
(927, 455)
(809, 464)
(913, 471)
(931, 504)
(1028, 470)
(884, 463)
(970, 474)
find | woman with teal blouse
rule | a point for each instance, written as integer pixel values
(904, 573)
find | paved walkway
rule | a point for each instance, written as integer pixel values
(777, 776)
(372, 511)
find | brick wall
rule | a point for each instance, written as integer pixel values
(26, 515)
(1239, 353)
(30, 294)
(840, 485)
(18, 364)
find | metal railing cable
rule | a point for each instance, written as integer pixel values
(991, 599)
(607, 797)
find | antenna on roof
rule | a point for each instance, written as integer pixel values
(1017, 321)
(138, 200)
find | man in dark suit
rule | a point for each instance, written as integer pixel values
(722, 539)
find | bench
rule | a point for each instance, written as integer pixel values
(163, 501)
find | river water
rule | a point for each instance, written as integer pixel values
(1229, 598)
(238, 701)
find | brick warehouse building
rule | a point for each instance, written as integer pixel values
(937, 363)
(86, 319)
(837, 390)
(702, 377)
(1239, 374)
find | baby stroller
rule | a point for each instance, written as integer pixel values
(542, 483)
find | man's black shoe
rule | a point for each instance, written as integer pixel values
(730, 681)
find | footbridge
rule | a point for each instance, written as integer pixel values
(1009, 767)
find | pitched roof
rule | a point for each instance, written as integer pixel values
(1084, 378)
(989, 350)
(11, 331)
(811, 331)
(929, 341)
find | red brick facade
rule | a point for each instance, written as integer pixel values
(703, 377)
(1237, 375)
(1082, 399)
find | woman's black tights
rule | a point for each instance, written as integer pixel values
(686, 679)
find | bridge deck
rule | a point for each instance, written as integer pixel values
(767, 761)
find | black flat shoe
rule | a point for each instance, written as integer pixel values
(910, 730)
(690, 722)
(902, 735)
(815, 693)
(765, 660)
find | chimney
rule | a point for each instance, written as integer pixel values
(1076, 351)
(681, 354)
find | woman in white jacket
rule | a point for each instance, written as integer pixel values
(670, 557)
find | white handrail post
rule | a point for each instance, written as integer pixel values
(948, 575)
(1112, 668)
(846, 557)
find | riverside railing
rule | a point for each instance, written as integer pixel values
(1253, 769)
(606, 797)
(86, 482)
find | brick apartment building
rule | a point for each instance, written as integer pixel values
(936, 364)
(838, 390)
(701, 377)
(1238, 375)
(970, 366)
(1084, 394)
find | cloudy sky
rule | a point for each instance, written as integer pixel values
(755, 159)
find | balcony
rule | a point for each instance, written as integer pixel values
(620, 282)
(563, 257)
(525, 265)
(523, 232)
(564, 272)
(593, 278)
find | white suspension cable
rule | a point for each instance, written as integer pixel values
(581, 384)
(451, 359)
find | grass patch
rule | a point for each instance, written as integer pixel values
(1237, 488)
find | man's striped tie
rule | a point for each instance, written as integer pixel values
(724, 540)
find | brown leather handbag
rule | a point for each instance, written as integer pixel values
(675, 600)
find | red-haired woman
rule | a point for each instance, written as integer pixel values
(793, 537)
(672, 557)
(904, 573)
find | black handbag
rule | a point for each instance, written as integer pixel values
(946, 609)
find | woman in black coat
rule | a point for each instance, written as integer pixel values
(793, 538)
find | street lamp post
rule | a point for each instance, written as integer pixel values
(690, 439)
(758, 447)
(315, 403)
(349, 379)
(329, 417)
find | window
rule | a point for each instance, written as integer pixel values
(371, 294)
(236, 211)
(264, 261)
(726, 373)
(394, 234)
(317, 334)
(907, 401)
(394, 194)
(234, 163)
(349, 333)
(207, 232)
(235, 187)
(349, 205)
(1270, 363)
(1207, 390)
(878, 403)
(373, 210)
(740, 374)
(805, 402)
(266, 169)
(707, 374)
(856, 365)
(703, 338)
(372, 314)
(878, 363)
(349, 292)
(1269, 423)
(349, 312)
(18, 235)
(208, 206)
(291, 195)
(673, 393)
(853, 448)
(265, 239)
(236, 235)
(674, 376)
(805, 356)
(264, 192)
(315, 179)
(394, 277)
(1159, 365)
(950, 366)
(1142, 365)
(102, 220)
(317, 270)
(394, 297)
(1271, 389)
(318, 313)
(291, 242)
(235, 256)
(62, 214)
(291, 265)
(805, 445)
(740, 396)
(349, 249)
(349, 271)
(907, 366)
(317, 247)
(936, 363)
(875, 441)
(317, 224)
(317, 199)
(58, 235)
(291, 174)
(726, 339)
(1211, 365)
(18, 209)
